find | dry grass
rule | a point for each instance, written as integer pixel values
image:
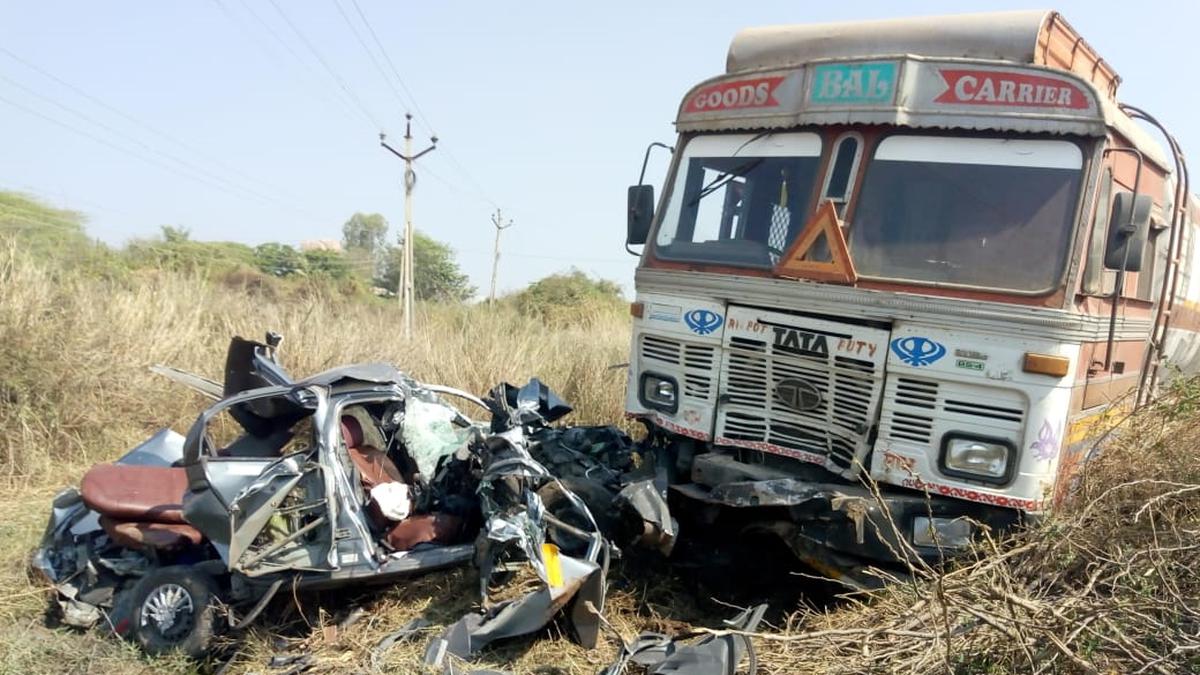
(1107, 586)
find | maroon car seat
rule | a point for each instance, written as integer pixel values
(140, 506)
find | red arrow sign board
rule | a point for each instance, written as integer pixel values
(758, 92)
(1000, 88)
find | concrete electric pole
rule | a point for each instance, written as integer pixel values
(497, 221)
(410, 181)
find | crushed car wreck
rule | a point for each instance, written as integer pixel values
(355, 475)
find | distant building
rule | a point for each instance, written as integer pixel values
(321, 245)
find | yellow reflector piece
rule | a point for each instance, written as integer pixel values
(553, 565)
(637, 309)
(1045, 364)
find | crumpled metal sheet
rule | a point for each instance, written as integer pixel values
(530, 404)
(659, 528)
(518, 525)
(522, 616)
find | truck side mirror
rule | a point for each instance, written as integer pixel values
(1128, 228)
(640, 214)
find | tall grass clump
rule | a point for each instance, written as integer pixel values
(1108, 584)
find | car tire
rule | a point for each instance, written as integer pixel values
(174, 610)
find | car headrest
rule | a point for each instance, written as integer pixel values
(352, 431)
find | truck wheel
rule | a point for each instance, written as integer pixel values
(173, 610)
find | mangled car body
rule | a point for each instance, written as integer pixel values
(354, 475)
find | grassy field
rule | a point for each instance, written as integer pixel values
(75, 389)
(1106, 586)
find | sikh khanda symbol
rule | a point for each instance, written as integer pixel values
(703, 321)
(918, 351)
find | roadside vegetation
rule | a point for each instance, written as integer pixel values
(1107, 585)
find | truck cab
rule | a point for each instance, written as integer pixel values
(888, 262)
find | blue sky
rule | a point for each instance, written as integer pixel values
(543, 109)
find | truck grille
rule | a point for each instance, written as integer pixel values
(697, 363)
(923, 410)
(843, 362)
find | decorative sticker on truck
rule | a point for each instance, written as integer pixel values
(853, 83)
(1045, 447)
(755, 93)
(1007, 88)
(918, 351)
(703, 321)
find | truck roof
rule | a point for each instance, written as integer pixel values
(1040, 37)
(911, 66)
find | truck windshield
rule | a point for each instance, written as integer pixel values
(987, 212)
(739, 199)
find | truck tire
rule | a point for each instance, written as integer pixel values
(174, 610)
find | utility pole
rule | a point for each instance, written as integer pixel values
(497, 221)
(410, 181)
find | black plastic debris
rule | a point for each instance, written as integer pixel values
(659, 654)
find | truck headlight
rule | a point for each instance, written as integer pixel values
(941, 532)
(986, 459)
(659, 392)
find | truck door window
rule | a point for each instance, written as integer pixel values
(984, 212)
(843, 165)
(739, 199)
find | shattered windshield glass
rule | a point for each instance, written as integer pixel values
(739, 199)
(985, 212)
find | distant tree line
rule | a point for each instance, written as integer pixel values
(366, 263)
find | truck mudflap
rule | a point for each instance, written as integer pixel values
(857, 534)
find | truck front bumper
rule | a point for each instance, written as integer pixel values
(842, 530)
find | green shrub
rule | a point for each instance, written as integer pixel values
(570, 298)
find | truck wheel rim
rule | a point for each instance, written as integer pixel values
(168, 609)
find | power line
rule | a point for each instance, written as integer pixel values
(392, 65)
(346, 106)
(116, 132)
(534, 256)
(471, 179)
(417, 106)
(341, 83)
(118, 148)
(134, 120)
(404, 105)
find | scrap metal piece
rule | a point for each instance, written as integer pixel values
(201, 385)
(531, 404)
(522, 616)
(645, 500)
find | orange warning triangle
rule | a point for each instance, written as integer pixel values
(840, 269)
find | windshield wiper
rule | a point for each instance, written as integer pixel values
(721, 180)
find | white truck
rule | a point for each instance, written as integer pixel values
(936, 253)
